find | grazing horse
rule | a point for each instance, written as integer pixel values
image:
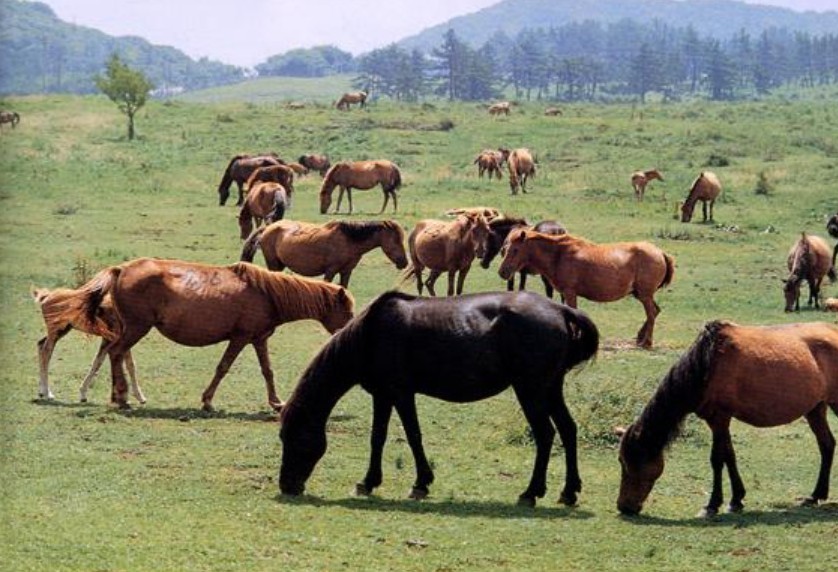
(705, 188)
(347, 99)
(329, 249)
(808, 260)
(521, 167)
(598, 272)
(62, 313)
(762, 376)
(446, 247)
(10, 117)
(319, 163)
(491, 160)
(282, 174)
(832, 229)
(639, 180)
(264, 202)
(361, 175)
(489, 213)
(552, 111)
(499, 230)
(298, 169)
(199, 305)
(502, 107)
(239, 170)
(457, 349)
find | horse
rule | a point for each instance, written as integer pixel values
(599, 272)
(491, 160)
(361, 175)
(61, 315)
(481, 344)
(552, 111)
(705, 188)
(832, 229)
(499, 230)
(239, 170)
(808, 260)
(282, 174)
(521, 167)
(333, 248)
(498, 108)
(264, 202)
(763, 376)
(445, 247)
(489, 213)
(639, 180)
(11, 117)
(319, 163)
(298, 169)
(199, 305)
(347, 99)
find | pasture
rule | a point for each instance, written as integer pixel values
(166, 486)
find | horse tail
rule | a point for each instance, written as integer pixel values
(833, 276)
(395, 179)
(278, 212)
(670, 271)
(16, 117)
(251, 244)
(584, 336)
(81, 307)
(227, 180)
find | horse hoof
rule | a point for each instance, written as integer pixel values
(276, 406)
(122, 405)
(808, 501)
(734, 508)
(208, 408)
(361, 490)
(418, 493)
(567, 499)
(708, 512)
(526, 501)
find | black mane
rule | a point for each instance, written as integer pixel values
(359, 231)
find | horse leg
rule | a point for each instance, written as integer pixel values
(386, 200)
(418, 272)
(432, 276)
(349, 198)
(241, 194)
(452, 274)
(406, 409)
(522, 280)
(118, 351)
(826, 444)
(567, 432)
(510, 285)
(644, 335)
(704, 210)
(261, 347)
(718, 457)
(340, 198)
(136, 390)
(569, 297)
(395, 201)
(381, 411)
(94, 369)
(538, 417)
(548, 288)
(461, 279)
(344, 278)
(46, 346)
(234, 348)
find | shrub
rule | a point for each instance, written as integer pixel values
(764, 186)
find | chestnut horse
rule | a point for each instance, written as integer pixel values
(832, 229)
(333, 248)
(499, 230)
(491, 161)
(446, 247)
(706, 188)
(348, 99)
(10, 117)
(62, 313)
(808, 260)
(598, 272)
(460, 350)
(361, 175)
(521, 167)
(264, 202)
(282, 174)
(489, 213)
(319, 163)
(502, 107)
(762, 376)
(639, 180)
(200, 305)
(239, 170)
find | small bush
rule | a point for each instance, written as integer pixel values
(66, 210)
(764, 186)
(716, 160)
(224, 118)
(82, 272)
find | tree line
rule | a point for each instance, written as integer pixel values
(595, 61)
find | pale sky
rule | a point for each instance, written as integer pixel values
(246, 32)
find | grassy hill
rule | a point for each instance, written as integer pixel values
(263, 90)
(166, 487)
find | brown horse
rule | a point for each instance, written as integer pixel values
(489, 213)
(705, 188)
(552, 111)
(298, 169)
(62, 313)
(598, 272)
(319, 163)
(446, 247)
(361, 175)
(521, 167)
(239, 170)
(762, 376)
(282, 174)
(200, 305)
(502, 107)
(832, 229)
(10, 117)
(808, 260)
(639, 180)
(491, 161)
(348, 99)
(333, 248)
(264, 202)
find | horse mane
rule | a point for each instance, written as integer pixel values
(328, 179)
(801, 262)
(506, 223)
(680, 392)
(359, 231)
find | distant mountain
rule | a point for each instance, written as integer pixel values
(717, 18)
(40, 53)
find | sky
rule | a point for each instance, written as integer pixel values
(258, 29)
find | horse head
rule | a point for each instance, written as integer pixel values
(514, 259)
(639, 472)
(303, 445)
(392, 243)
(341, 311)
(832, 226)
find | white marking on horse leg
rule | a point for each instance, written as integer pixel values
(94, 369)
(45, 347)
(136, 390)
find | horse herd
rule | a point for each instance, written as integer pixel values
(464, 348)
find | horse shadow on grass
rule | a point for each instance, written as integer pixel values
(458, 509)
(779, 514)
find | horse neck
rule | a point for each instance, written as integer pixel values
(548, 252)
(300, 299)
(329, 184)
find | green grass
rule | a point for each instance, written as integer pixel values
(166, 487)
(265, 90)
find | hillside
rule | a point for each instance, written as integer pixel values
(41, 53)
(718, 18)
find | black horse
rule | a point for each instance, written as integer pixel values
(832, 229)
(459, 349)
(499, 231)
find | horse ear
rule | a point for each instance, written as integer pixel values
(519, 235)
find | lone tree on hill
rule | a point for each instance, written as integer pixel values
(127, 88)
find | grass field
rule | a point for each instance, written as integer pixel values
(165, 487)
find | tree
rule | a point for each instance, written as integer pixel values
(645, 72)
(127, 88)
